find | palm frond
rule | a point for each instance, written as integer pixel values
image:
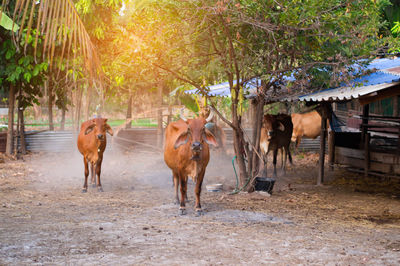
(57, 23)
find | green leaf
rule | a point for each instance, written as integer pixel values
(9, 54)
(36, 70)
(7, 23)
(27, 76)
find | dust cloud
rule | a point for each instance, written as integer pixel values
(123, 169)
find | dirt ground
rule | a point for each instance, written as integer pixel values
(46, 220)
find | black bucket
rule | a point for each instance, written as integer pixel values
(264, 184)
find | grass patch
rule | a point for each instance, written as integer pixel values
(144, 122)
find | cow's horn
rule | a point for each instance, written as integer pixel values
(182, 116)
(208, 119)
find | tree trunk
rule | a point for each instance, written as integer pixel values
(78, 108)
(62, 127)
(72, 109)
(257, 123)
(159, 116)
(88, 100)
(238, 140)
(129, 111)
(50, 104)
(10, 132)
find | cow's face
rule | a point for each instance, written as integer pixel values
(272, 126)
(99, 127)
(196, 135)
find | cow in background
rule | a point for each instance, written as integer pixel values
(276, 133)
(92, 143)
(306, 125)
(186, 153)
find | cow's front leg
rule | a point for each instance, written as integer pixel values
(183, 183)
(92, 175)
(175, 179)
(197, 192)
(98, 172)
(284, 160)
(274, 161)
(85, 184)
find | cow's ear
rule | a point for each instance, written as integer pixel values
(89, 129)
(105, 120)
(209, 138)
(281, 127)
(109, 130)
(182, 139)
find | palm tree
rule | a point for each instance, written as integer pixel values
(57, 24)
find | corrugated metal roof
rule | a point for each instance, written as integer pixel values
(344, 93)
(223, 89)
(387, 75)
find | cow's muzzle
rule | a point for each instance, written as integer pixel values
(100, 136)
(196, 149)
(271, 133)
(196, 146)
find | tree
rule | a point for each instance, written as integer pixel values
(291, 46)
(57, 23)
(22, 75)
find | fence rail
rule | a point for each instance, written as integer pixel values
(140, 138)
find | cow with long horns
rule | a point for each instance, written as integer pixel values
(186, 152)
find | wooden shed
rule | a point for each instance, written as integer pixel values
(371, 142)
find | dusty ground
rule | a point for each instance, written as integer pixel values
(45, 219)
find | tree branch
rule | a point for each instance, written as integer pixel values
(222, 117)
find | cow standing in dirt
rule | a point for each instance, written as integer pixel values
(92, 143)
(186, 152)
(276, 133)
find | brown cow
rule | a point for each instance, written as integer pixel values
(187, 153)
(306, 125)
(92, 142)
(276, 132)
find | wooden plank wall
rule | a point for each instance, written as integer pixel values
(380, 162)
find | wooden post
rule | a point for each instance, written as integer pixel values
(366, 155)
(331, 149)
(320, 180)
(364, 126)
(169, 114)
(22, 130)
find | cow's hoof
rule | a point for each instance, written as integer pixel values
(84, 190)
(100, 189)
(198, 213)
(182, 212)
